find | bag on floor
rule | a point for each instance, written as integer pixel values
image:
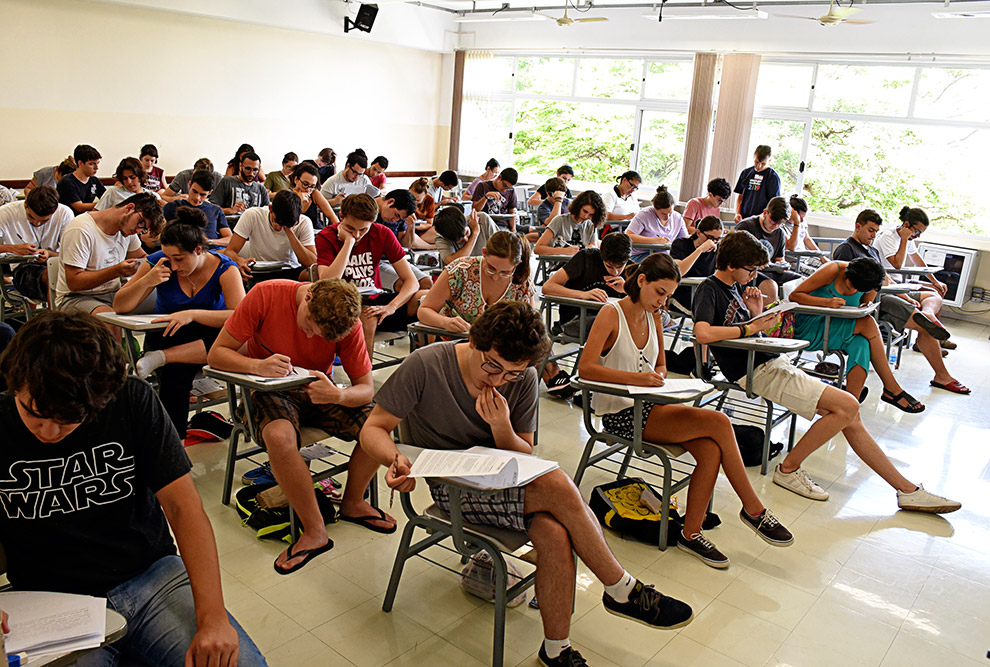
(750, 440)
(272, 523)
(619, 506)
(478, 578)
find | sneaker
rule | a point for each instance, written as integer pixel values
(700, 547)
(650, 607)
(260, 475)
(767, 527)
(799, 482)
(567, 658)
(923, 501)
(560, 385)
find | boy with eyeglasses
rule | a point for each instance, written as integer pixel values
(351, 180)
(278, 233)
(199, 187)
(236, 194)
(768, 226)
(483, 392)
(719, 191)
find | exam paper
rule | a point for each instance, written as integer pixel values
(43, 623)
(780, 308)
(448, 463)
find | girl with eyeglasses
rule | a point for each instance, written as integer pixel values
(625, 346)
(305, 181)
(620, 201)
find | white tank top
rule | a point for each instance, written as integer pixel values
(625, 356)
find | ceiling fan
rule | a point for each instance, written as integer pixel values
(835, 16)
(566, 20)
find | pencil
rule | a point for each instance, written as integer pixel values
(269, 350)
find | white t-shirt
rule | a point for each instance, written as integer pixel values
(116, 194)
(85, 246)
(15, 228)
(788, 229)
(337, 184)
(616, 204)
(268, 245)
(887, 243)
(438, 193)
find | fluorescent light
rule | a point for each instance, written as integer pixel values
(487, 18)
(962, 15)
(704, 14)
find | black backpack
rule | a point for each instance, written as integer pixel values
(750, 440)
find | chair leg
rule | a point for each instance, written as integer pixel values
(766, 438)
(665, 502)
(793, 429)
(228, 475)
(583, 463)
(501, 581)
(625, 464)
(401, 555)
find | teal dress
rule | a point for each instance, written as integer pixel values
(840, 332)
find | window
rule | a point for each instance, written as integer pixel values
(546, 76)
(661, 153)
(671, 81)
(786, 138)
(602, 77)
(884, 91)
(488, 123)
(484, 74)
(784, 85)
(954, 94)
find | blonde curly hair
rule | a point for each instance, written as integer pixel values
(335, 307)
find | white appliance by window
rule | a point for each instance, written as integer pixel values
(958, 269)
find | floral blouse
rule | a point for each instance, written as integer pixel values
(465, 290)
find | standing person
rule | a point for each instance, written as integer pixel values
(199, 187)
(276, 181)
(659, 224)
(50, 176)
(459, 236)
(179, 187)
(625, 346)
(756, 185)
(132, 179)
(196, 289)
(578, 228)
(236, 194)
(491, 173)
(34, 227)
(376, 172)
(278, 233)
(483, 392)
(719, 192)
(156, 175)
(498, 196)
(695, 255)
(326, 162)
(234, 164)
(620, 200)
(351, 181)
(565, 173)
(305, 181)
(446, 188)
(81, 189)
(116, 470)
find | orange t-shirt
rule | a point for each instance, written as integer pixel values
(426, 210)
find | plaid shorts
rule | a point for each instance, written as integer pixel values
(503, 509)
(621, 423)
(294, 405)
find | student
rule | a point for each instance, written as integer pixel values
(278, 233)
(352, 250)
(767, 226)
(34, 227)
(351, 181)
(305, 182)
(426, 209)
(395, 211)
(236, 194)
(445, 188)
(277, 181)
(657, 224)
(81, 189)
(756, 185)
(326, 162)
(901, 311)
(719, 191)
(498, 196)
(105, 482)
(234, 164)
(131, 178)
(695, 255)
(281, 325)
(376, 172)
(556, 201)
(50, 176)
(459, 236)
(625, 346)
(620, 200)
(100, 248)
(491, 173)
(565, 173)
(179, 187)
(199, 187)
(576, 229)
(155, 175)
(196, 289)
(720, 303)
(483, 392)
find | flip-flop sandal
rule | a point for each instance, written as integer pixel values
(915, 406)
(936, 331)
(955, 387)
(365, 521)
(307, 554)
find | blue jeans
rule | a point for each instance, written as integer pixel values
(161, 621)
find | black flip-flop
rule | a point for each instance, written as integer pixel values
(862, 394)
(365, 521)
(915, 406)
(307, 554)
(936, 331)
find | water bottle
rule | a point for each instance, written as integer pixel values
(892, 357)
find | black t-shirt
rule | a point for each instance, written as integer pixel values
(703, 267)
(72, 190)
(757, 189)
(722, 306)
(851, 249)
(585, 271)
(215, 218)
(774, 238)
(80, 515)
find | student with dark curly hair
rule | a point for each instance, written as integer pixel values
(131, 180)
(578, 228)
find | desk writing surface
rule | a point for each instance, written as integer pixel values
(134, 322)
(764, 344)
(569, 301)
(7, 258)
(843, 313)
(658, 247)
(914, 271)
(553, 258)
(252, 382)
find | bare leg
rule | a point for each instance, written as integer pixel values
(369, 323)
(932, 351)
(555, 574)
(708, 457)
(117, 332)
(869, 452)
(188, 353)
(931, 303)
(867, 327)
(770, 290)
(360, 470)
(838, 409)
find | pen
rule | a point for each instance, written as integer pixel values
(269, 350)
(452, 307)
(395, 471)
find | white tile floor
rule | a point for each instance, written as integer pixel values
(863, 584)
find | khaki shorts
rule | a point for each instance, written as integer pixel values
(85, 303)
(782, 383)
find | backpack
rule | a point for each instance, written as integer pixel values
(750, 441)
(273, 522)
(618, 506)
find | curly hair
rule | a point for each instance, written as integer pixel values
(69, 364)
(334, 306)
(593, 199)
(133, 165)
(514, 330)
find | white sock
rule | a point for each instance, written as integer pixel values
(150, 362)
(620, 590)
(554, 647)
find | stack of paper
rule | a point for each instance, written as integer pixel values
(676, 387)
(480, 467)
(53, 623)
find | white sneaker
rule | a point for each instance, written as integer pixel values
(799, 482)
(923, 501)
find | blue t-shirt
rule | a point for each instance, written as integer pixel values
(171, 298)
(757, 189)
(215, 218)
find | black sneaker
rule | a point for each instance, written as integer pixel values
(560, 385)
(567, 658)
(700, 547)
(650, 607)
(767, 527)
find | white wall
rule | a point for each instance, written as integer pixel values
(118, 76)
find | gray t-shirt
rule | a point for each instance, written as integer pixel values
(428, 391)
(232, 189)
(46, 176)
(486, 227)
(569, 232)
(180, 184)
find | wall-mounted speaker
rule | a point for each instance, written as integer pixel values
(364, 21)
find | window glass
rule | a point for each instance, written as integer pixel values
(785, 138)
(661, 150)
(485, 128)
(881, 91)
(670, 81)
(545, 76)
(484, 74)
(784, 85)
(604, 77)
(953, 94)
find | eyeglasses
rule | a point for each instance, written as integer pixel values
(710, 237)
(750, 270)
(492, 368)
(251, 170)
(495, 272)
(632, 186)
(306, 186)
(775, 223)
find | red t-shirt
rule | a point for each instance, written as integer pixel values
(379, 181)
(266, 317)
(362, 266)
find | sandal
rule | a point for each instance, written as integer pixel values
(914, 405)
(955, 387)
(307, 554)
(933, 329)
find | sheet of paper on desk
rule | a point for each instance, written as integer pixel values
(136, 319)
(782, 307)
(671, 387)
(44, 623)
(369, 290)
(269, 265)
(297, 372)
(481, 467)
(530, 467)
